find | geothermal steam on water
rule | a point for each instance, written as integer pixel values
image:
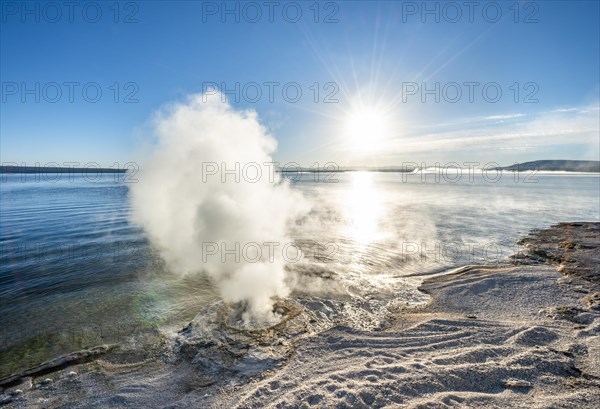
(192, 218)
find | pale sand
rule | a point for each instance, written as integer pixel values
(513, 354)
(503, 336)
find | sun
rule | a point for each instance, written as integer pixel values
(365, 129)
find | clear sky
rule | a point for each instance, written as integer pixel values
(369, 61)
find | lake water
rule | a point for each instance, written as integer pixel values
(76, 272)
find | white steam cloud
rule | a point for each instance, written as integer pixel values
(191, 215)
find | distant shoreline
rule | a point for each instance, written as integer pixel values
(592, 166)
(17, 170)
(575, 166)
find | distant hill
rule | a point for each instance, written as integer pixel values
(561, 165)
(552, 165)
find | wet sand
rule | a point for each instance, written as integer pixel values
(522, 334)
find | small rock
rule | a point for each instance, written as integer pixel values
(566, 245)
(16, 392)
(72, 374)
(27, 383)
(517, 383)
(45, 382)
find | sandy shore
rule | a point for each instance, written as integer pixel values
(522, 334)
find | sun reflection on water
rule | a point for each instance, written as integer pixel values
(363, 209)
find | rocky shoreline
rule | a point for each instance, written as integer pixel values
(520, 334)
(574, 248)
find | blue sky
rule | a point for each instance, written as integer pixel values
(369, 57)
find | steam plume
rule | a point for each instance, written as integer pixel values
(187, 213)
